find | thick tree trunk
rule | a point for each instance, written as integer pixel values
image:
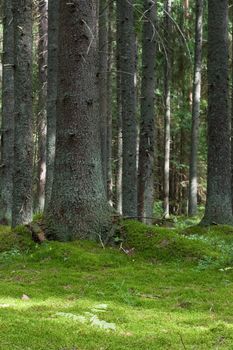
(41, 117)
(23, 132)
(218, 206)
(103, 77)
(147, 125)
(78, 207)
(192, 208)
(53, 17)
(167, 98)
(7, 136)
(128, 99)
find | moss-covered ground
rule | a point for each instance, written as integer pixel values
(159, 288)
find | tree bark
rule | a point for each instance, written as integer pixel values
(41, 117)
(53, 18)
(167, 95)
(218, 205)
(23, 131)
(103, 77)
(78, 207)
(109, 105)
(118, 138)
(232, 112)
(128, 99)
(7, 135)
(192, 207)
(147, 125)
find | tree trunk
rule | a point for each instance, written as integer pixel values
(128, 99)
(167, 94)
(103, 77)
(53, 17)
(41, 117)
(7, 136)
(118, 137)
(192, 208)
(147, 125)
(218, 206)
(109, 105)
(23, 132)
(232, 111)
(78, 207)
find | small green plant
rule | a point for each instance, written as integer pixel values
(14, 252)
(158, 209)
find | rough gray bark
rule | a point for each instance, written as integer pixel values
(218, 206)
(103, 77)
(53, 19)
(7, 135)
(23, 131)
(147, 124)
(192, 206)
(128, 100)
(118, 138)
(41, 117)
(109, 109)
(232, 114)
(167, 98)
(78, 207)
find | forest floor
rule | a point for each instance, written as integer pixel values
(158, 289)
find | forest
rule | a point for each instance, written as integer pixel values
(116, 174)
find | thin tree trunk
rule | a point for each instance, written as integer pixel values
(218, 205)
(147, 125)
(103, 77)
(167, 93)
(159, 162)
(53, 18)
(186, 8)
(118, 139)
(7, 135)
(109, 110)
(78, 207)
(231, 109)
(41, 117)
(128, 99)
(192, 208)
(23, 131)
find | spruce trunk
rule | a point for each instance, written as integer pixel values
(118, 135)
(7, 126)
(53, 16)
(103, 76)
(78, 207)
(23, 131)
(218, 206)
(109, 105)
(128, 101)
(147, 125)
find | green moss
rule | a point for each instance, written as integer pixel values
(167, 304)
(222, 231)
(16, 239)
(153, 307)
(165, 244)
